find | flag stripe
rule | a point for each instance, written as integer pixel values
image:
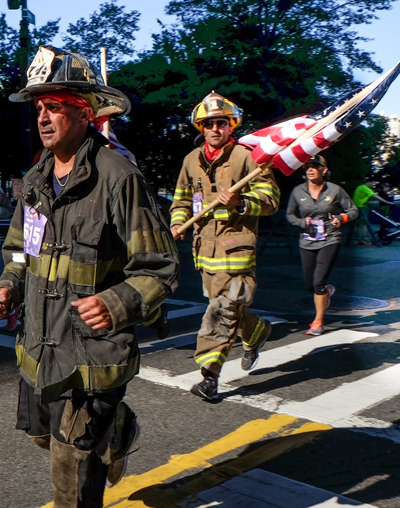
(273, 144)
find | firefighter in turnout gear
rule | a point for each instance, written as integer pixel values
(88, 255)
(224, 243)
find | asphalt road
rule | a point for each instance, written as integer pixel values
(316, 413)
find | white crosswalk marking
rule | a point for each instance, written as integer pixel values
(338, 407)
(268, 359)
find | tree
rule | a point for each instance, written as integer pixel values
(111, 28)
(289, 54)
(16, 117)
(274, 58)
(387, 163)
(10, 47)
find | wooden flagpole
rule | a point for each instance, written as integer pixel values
(306, 135)
(106, 125)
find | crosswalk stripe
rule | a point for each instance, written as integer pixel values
(268, 359)
(338, 407)
(292, 352)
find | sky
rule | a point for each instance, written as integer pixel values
(384, 32)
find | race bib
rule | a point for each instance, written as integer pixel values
(315, 231)
(34, 224)
(197, 203)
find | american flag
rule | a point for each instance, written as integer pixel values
(114, 144)
(273, 144)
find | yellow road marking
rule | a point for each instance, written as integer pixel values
(275, 428)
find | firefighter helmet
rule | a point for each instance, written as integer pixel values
(216, 105)
(54, 69)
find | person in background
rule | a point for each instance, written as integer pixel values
(363, 195)
(319, 208)
(224, 242)
(90, 257)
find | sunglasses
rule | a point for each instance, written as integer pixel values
(209, 124)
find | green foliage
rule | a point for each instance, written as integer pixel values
(111, 27)
(43, 36)
(274, 58)
(9, 42)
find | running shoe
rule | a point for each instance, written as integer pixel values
(250, 358)
(207, 389)
(331, 291)
(316, 328)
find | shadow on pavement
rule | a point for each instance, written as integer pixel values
(329, 363)
(303, 457)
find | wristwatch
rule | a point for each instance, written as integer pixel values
(242, 207)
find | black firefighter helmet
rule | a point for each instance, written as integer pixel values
(53, 69)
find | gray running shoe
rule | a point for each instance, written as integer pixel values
(250, 358)
(207, 389)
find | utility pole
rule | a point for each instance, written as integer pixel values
(23, 53)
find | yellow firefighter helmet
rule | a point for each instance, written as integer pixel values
(216, 105)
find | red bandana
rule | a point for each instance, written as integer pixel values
(74, 100)
(214, 154)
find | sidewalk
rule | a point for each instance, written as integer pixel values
(261, 489)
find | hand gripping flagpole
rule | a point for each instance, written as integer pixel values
(306, 135)
(106, 125)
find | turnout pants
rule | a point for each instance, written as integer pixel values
(227, 316)
(78, 431)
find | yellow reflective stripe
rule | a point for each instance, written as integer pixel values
(179, 216)
(215, 357)
(152, 293)
(83, 274)
(71, 270)
(62, 268)
(221, 214)
(17, 269)
(183, 195)
(267, 189)
(253, 203)
(225, 263)
(28, 364)
(107, 377)
(257, 332)
(40, 266)
(92, 377)
(14, 237)
(149, 241)
(154, 319)
(210, 212)
(53, 269)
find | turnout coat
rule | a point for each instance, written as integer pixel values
(104, 235)
(224, 238)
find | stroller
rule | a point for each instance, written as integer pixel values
(389, 229)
